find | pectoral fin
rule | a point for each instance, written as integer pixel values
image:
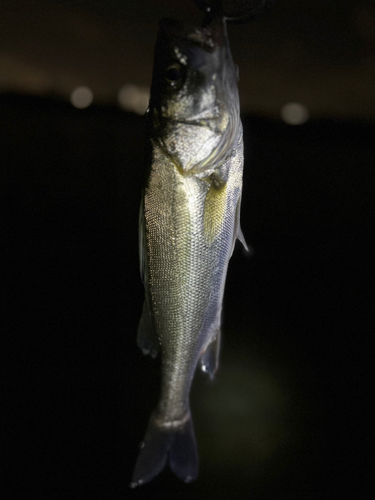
(146, 338)
(214, 207)
(210, 357)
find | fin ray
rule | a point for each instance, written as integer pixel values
(153, 454)
(183, 458)
(210, 357)
(175, 444)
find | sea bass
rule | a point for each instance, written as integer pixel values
(189, 222)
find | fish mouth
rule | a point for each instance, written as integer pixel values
(215, 122)
(210, 118)
(209, 122)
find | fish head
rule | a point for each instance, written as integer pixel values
(194, 106)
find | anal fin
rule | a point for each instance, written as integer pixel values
(210, 357)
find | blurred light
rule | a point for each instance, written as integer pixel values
(81, 97)
(134, 98)
(294, 113)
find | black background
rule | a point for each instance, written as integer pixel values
(287, 416)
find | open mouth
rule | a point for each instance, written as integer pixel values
(206, 122)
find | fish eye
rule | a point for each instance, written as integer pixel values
(174, 74)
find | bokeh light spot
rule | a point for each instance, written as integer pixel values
(134, 98)
(294, 113)
(81, 97)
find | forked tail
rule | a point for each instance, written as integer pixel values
(174, 443)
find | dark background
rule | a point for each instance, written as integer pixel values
(319, 53)
(287, 415)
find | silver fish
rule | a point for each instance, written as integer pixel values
(189, 222)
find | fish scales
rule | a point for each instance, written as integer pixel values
(189, 221)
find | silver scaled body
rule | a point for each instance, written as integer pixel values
(189, 222)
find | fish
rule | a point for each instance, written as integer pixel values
(188, 224)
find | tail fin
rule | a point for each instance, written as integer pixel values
(176, 443)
